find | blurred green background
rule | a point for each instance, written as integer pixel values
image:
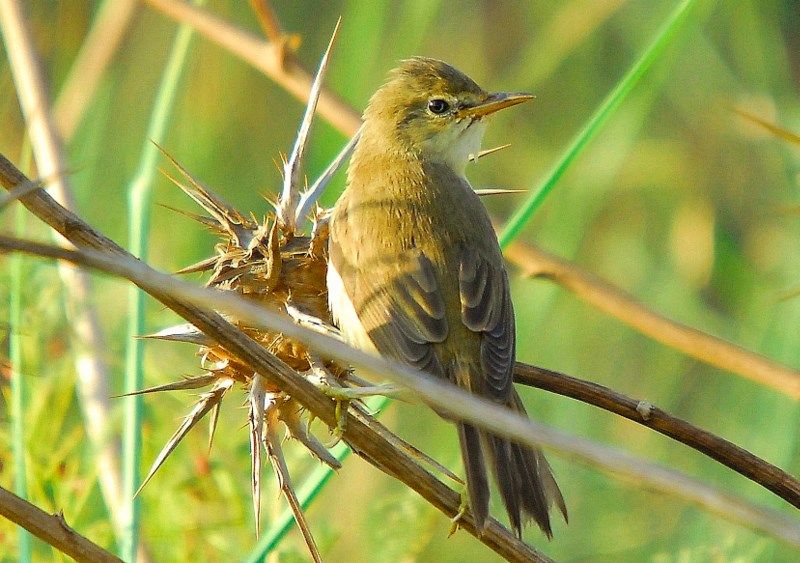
(678, 201)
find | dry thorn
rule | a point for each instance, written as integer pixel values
(255, 419)
(206, 403)
(273, 446)
(310, 196)
(498, 191)
(487, 152)
(286, 210)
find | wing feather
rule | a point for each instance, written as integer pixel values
(403, 314)
(486, 308)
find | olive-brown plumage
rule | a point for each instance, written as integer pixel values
(415, 270)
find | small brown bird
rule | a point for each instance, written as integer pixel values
(415, 271)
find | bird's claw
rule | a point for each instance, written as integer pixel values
(462, 509)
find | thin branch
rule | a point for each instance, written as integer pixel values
(268, 20)
(646, 414)
(268, 57)
(51, 528)
(714, 351)
(609, 459)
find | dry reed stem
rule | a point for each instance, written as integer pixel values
(714, 351)
(88, 342)
(99, 46)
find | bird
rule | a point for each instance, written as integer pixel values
(416, 274)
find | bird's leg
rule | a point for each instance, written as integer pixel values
(462, 509)
(326, 382)
(331, 386)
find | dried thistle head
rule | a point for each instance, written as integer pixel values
(271, 262)
(279, 269)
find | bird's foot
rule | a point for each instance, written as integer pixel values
(462, 509)
(319, 376)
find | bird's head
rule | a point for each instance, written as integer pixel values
(434, 111)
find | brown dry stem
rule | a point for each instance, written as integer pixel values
(692, 342)
(51, 528)
(646, 414)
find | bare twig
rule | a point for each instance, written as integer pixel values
(88, 342)
(605, 297)
(51, 528)
(268, 20)
(615, 302)
(727, 453)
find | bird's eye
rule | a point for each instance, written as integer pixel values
(438, 106)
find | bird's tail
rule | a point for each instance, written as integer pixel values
(522, 474)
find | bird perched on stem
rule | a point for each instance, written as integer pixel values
(416, 273)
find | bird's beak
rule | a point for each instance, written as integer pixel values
(493, 103)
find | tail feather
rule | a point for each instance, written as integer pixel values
(523, 476)
(477, 482)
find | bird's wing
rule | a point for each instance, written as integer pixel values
(399, 305)
(486, 308)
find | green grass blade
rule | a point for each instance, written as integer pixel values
(669, 31)
(139, 202)
(307, 493)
